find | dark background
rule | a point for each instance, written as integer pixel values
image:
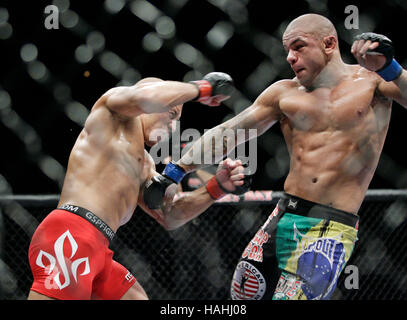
(37, 134)
(45, 96)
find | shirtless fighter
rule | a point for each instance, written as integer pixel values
(110, 173)
(334, 118)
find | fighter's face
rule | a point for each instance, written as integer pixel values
(305, 55)
(158, 125)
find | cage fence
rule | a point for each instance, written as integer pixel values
(197, 261)
(51, 78)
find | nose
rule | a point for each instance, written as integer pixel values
(291, 57)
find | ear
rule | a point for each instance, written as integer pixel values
(330, 43)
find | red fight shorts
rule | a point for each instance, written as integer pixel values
(70, 259)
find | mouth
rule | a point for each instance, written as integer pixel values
(298, 70)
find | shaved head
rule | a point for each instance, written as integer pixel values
(311, 43)
(312, 24)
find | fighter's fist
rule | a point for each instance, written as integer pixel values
(155, 191)
(229, 178)
(163, 186)
(375, 52)
(214, 88)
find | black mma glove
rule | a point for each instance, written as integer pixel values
(213, 84)
(391, 69)
(156, 187)
(155, 190)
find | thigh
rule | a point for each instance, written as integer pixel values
(115, 283)
(257, 271)
(37, 296)
(312, 252)
(136, 292)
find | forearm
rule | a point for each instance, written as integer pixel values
(401, 82)
(217, 142)
(185, 207)
(209, 149)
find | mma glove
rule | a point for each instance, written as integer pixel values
(213, 84)
(156, 187)
(391, 69)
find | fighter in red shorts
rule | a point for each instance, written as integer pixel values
(109, 173)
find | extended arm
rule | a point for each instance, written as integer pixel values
(220, 140)
(153, 95)
(177, 209)
(149, 96)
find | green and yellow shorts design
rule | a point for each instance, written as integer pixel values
(298, 253)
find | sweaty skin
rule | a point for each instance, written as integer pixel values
(334, 116)
(105, 167)
(108, 166)
(334, 137)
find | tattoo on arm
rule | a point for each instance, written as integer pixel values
(217, 142)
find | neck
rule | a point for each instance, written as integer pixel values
(333, 72)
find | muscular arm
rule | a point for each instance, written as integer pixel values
(150, 95)
(180, 208)
(261, 115)
(396, 89)
(366, 42)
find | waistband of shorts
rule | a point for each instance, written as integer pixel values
(306, 208)
(92, 218)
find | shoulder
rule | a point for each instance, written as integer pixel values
(272, 94)
(102, 104)
(279, 87)
(282, 85)
(99, 115)
(358, 72)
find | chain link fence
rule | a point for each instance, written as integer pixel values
(51, 77)
(197, 261)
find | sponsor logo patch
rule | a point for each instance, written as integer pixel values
(248, 283)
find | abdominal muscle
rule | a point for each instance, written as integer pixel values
(330, 169)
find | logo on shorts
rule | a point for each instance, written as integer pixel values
(287, 287)
(128, 277)
(248, 283)
(320, 261)
(66, 264)
(292, 203)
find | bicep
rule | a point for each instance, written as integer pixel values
(261, 115)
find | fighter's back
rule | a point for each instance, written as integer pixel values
(105, 166)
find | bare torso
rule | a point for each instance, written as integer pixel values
(105, 168)
(334, 137)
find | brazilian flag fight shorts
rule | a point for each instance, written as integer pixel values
(298, 254)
